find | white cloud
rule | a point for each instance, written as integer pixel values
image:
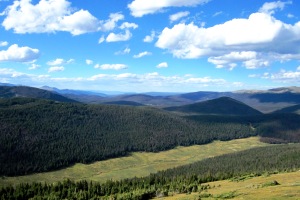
(19, 54)
(290, 15)
(121, 82)
(47, 17)
(178, 16)
(34, 66)
(89, 62)
(283, 76)
(111, 66)
(142, 54)
(250, 60)
(112, 37)
(217, 13)
(71, 60)
(79, 23)
(298, 68)
(123, 52)
(127, 25)
(101, 39)
(261, 34)
(149, 38)
(59, 61)
(111, 23)
(56, 69)
(140, 8)
(271, 7)
(3, 43)
(162, 65)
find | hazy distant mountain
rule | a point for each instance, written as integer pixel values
(6, 84)
(292, 89)
(158, 101)
(290, 109)
(73, 92)
(219, 106)
(124, 103)
(162, 94)
(263, 100)
(24, 91)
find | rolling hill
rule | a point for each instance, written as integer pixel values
(290, 109)
(42, 135)
(31, 92)
(219, 106)
(123, 103)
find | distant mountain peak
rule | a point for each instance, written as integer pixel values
(219, 106)
(31, 92)
(292, 89)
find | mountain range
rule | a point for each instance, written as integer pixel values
(265, 101)
(219, 106)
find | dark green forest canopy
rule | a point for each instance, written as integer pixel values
(42, 135)
(219, 106)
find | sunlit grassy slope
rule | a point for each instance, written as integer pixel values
(251, 189)
(138, 164)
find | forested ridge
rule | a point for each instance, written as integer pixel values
(41, 135)
(184, 179)
(220, 106)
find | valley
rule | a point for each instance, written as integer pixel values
(134, 149)
(139, 164)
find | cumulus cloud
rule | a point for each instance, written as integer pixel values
(271, 7)
(149, 38)
(3, 43)
(113, 37)
(34, 66)
(162, 65)
(56, 69)
(111, 23)
(127, 25)
(155, 79)
(89, 62)
(48, 16)
(282, 76)
(19, 54)
(142, 54)
(111, 66)
(59, 61)
(140, 8)
(140, 82)
(178, 16)
(255, 41)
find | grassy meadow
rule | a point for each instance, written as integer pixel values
(137, 164)
(261, 187)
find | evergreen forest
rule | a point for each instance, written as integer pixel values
(39, 135)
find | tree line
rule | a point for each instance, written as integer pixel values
(184, 179)
(41, 135)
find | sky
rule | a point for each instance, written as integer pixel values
(150, 45)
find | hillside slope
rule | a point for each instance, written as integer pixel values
(24, 91)
(39, 135)
(290, 109)
(219, 106)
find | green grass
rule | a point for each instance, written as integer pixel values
(137, 164)
(262, 187)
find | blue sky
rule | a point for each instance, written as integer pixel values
(150, 45)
